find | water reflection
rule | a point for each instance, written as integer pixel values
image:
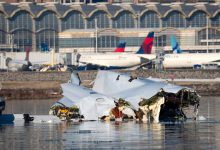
(116, 135)
(110, 135)
(31, 137)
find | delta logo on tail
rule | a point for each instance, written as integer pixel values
(174, 44)
(147, 44)
(121, 47)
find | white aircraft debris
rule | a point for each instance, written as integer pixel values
(116, 96)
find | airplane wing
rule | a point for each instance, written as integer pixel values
(95, 63)
(147, 56)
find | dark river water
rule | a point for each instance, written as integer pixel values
(200, 134)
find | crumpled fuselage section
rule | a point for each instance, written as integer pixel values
(117, 96)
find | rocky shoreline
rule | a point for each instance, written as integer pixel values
(46, 85)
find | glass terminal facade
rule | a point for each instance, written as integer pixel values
(28, 25)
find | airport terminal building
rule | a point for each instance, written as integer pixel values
(101, 26)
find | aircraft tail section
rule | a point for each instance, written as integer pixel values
(120, 47)
(27, 49)
(175, 45)
(147, 44)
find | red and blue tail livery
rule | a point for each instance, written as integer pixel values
(147, 44)
(120, 47)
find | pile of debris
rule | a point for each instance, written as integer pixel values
(58, 67)
(117, 96)
(65, 113)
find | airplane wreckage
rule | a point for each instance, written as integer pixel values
(118, 96)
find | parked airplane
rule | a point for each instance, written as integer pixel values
(25, 65)
(119, 60)
(188, 60)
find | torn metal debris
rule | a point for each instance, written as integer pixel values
(116, 96)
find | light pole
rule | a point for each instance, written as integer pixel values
(11, 41)
(207, 34)
(54, 41)
(138, 19)
(96, 36)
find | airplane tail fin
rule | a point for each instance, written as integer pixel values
(147, 44)
(27, 50)
(175, 45)
(120, 47)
